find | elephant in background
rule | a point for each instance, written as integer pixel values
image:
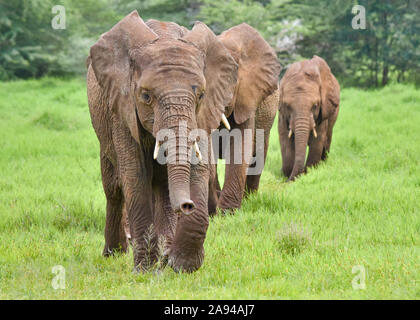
(308, 110)
(254, 106)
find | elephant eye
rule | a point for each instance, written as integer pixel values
(201, 96)
(146, 97)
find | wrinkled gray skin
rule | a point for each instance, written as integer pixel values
(254, 106)
(143, 78)
(308, 110)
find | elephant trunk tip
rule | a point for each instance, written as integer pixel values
(185, 207)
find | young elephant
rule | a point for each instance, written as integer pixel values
(253, 107)
(145, 79)
(308, 109)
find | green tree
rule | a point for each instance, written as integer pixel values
(182, 12)
(387, 47)
(28, 48)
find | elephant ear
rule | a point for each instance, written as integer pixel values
(111, 58)
(330, 89)
(220, 72)
(258, 72)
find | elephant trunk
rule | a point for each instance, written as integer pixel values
(179, 147)
(179, 184)
(301, 132)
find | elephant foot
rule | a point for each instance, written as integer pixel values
(228, 204)
(181, 262)
(212, 207)
(227, 211)
(225, 207)
(112, 250)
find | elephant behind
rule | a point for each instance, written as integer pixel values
(308, 110)
(253, 107)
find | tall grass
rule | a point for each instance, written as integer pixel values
(291, 240)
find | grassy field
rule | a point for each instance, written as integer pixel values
(296, 240)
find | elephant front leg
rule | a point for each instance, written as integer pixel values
(264, 118)
(261, 149)
(144, 237)
(241, 147)
(115, 236)
(135, 177)
(214, 190)
(316, 145)
(331, 122)
(165, 219)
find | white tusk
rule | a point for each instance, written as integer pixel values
(197, 151)
(314, 132)
(290, 133)
(156, 152)
(225, 122)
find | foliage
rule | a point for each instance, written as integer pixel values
(294, 238)
(182, 12)
(361, 208)
(389, 46)
(388, 50)
(269, 17)
(28, 48)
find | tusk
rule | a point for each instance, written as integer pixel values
(314, 132)
(197, 151)
(156, 152)
(290, 133)
(225, 122)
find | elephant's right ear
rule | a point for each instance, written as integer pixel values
(111, 59)
(258, 72)
(281, 89)
(330, 88)
(220, 72)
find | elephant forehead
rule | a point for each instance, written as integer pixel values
(170, 64)
(301, 92)
(172, 52)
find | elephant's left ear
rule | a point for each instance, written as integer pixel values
(258, 72)
(330, 88)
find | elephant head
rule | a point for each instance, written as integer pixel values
(158, 75)
(309, 95)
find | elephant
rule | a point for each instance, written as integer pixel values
(254, 106)
(308, 109)
(145, 79)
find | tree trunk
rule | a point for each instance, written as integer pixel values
(385, 72)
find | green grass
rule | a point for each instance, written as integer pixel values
(290, 241)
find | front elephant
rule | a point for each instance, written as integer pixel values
(144, 79)
(308, 110)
